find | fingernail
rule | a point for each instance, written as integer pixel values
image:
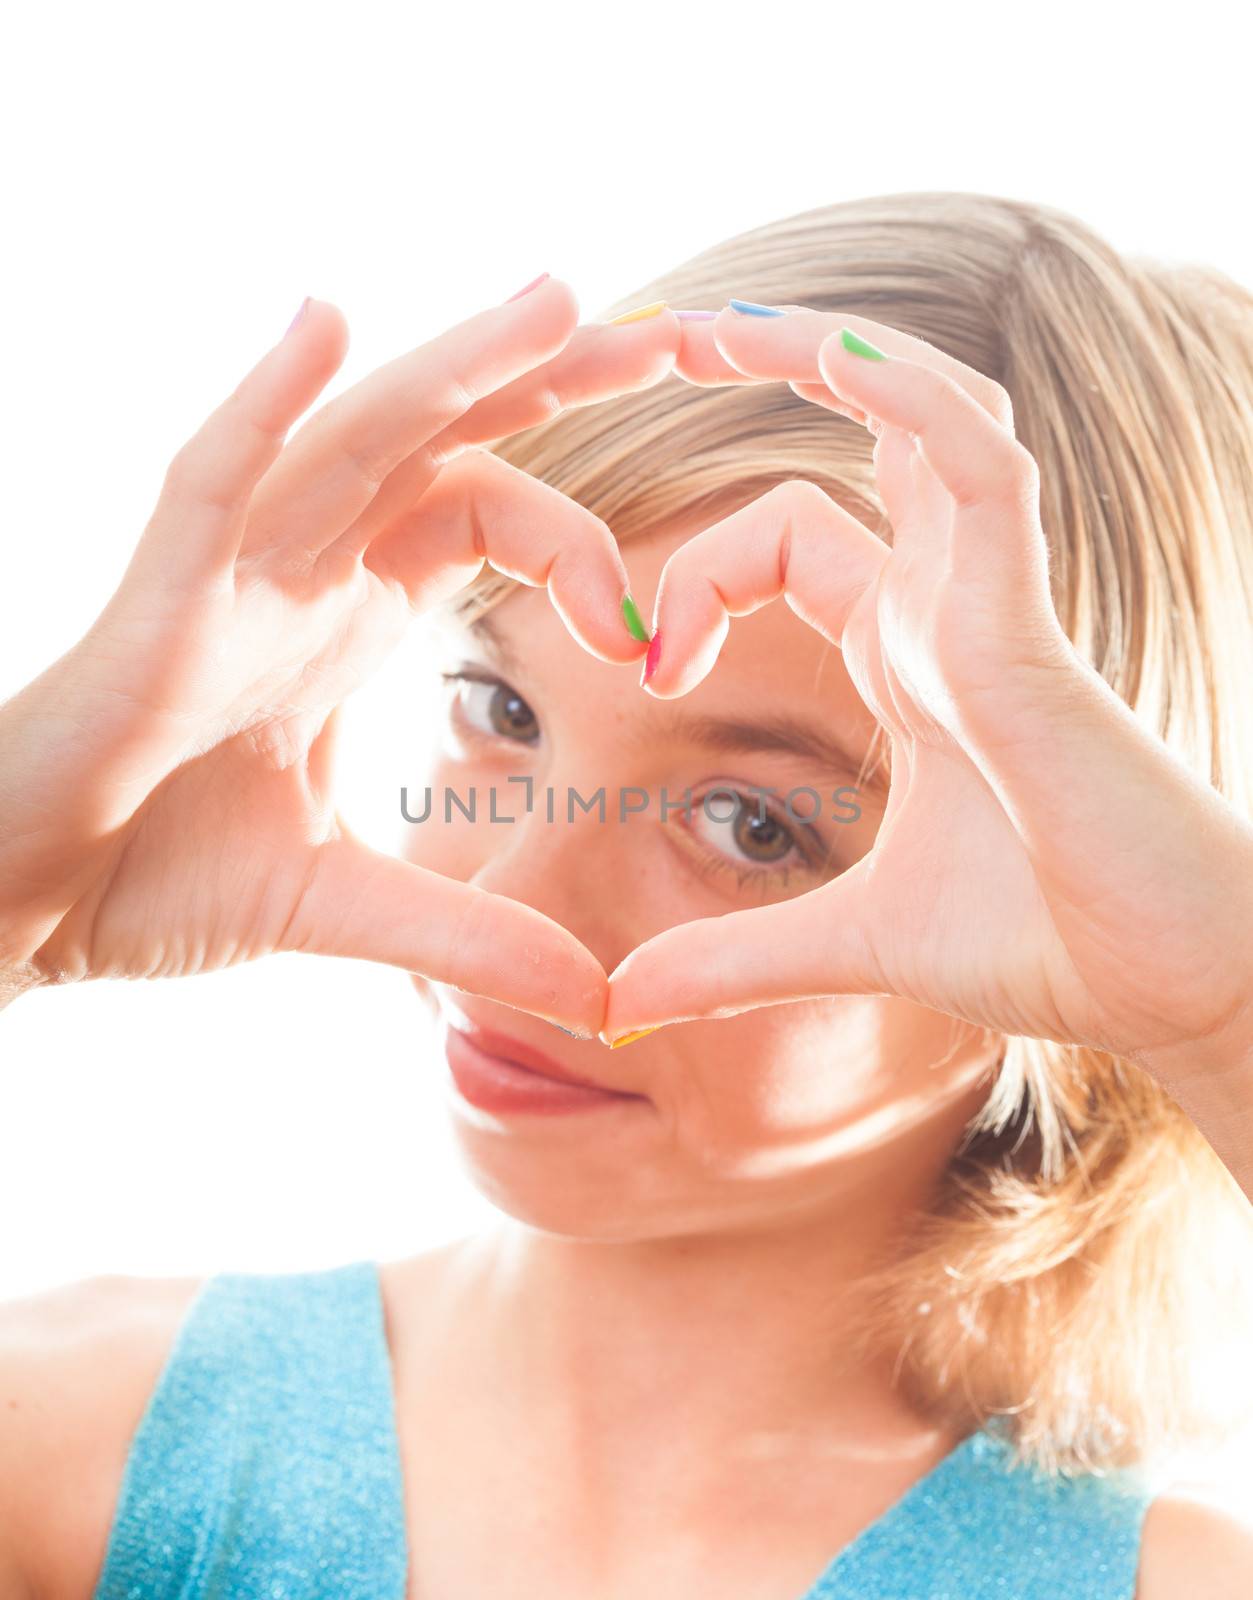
(859, 346)
(696, 316)
(632, 618)
(630, 1038)
(299, 317)
(750, 308)
(653, 656)
(534, 284)
(570, 1033)
(639, 314)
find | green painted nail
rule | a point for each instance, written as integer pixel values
(631, 615)
(859, 346)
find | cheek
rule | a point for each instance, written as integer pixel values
(786, 1076)
(447, 841)
(775, 1071)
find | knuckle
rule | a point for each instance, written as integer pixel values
(453, 393)
(459, 396)
(191, 480)
(1022, 472)
(366, 466)
(467, 472)
(977, 386)
(1009, 475)
(237, 413)
(548, 402)
(177, 473)
(800, 497)
(995, 399)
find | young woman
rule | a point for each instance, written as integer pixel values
(896, 1245)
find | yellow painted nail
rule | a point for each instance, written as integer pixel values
(639, 314)
(630, 1038)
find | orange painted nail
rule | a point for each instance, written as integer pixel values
(630, 1038)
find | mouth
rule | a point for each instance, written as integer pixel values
(498, 1072)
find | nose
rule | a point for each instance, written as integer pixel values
(573, 868)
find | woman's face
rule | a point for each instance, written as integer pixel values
(733, 1123)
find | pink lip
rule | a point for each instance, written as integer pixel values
(498, 1073)
(523, 1055)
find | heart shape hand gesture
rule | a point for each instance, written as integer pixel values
(1045, 865)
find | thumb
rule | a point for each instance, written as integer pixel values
(370, 906)
(800, 949)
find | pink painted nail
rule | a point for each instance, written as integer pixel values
(653, 656)
(534, 284)
(299, 317)
(697, 316)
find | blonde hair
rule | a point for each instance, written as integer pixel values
(1081, 1283)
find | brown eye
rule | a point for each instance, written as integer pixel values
(510, 715)
(492, 708)
(742, 829)
(759, 835)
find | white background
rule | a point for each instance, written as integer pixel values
(177, 179)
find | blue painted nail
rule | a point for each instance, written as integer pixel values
(750, 308)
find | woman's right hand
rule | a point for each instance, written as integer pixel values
(164, 785)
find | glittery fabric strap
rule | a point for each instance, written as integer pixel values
(978, 1529)
(266, 1464)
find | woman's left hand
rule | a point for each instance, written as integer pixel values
(1046, 866)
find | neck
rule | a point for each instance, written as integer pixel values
(738, 1339)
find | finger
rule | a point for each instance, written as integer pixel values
(699, 360)
(993, 528)
(799, 949)
(336, 464)
(601, 361)
(787, 348)
(793, 541)
(197, 526)
(818, 394)
(481, 509)
(915, 504)
(321, 757)
(370, 906)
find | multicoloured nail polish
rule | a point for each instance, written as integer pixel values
(750, 308)
(859, 346)
(653, 656)
(299, 317)
(696, 316)
(639, 314)
(630, 1038)
(631, 616)
(534, 284)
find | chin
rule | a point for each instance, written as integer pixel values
(538, 1182)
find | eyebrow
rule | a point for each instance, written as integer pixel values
(484, 626)
(776, 733)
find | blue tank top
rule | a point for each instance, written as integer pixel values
(266, 1466)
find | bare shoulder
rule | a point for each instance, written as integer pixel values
(1193, 1547)
(415, 1289)
(78, 1363)
(422, 1297)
